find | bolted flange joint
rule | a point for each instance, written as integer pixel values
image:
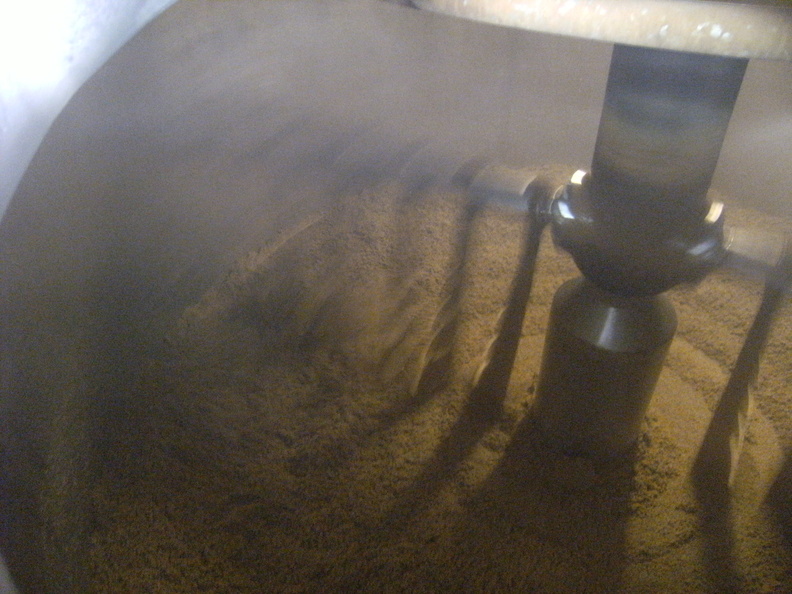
(634, 253)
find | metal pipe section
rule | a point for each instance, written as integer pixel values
(650, 225)
(662, 127)
(754, 253)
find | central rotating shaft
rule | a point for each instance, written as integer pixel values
(637, 225)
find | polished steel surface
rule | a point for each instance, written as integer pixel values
(663, 123)
(642, 222)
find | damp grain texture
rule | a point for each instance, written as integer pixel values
(282, 442)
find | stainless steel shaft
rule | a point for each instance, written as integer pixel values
(638, 224)
(649, 220)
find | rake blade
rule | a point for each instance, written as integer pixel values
(716, 464)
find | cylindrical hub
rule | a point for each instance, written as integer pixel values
(602, 358)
